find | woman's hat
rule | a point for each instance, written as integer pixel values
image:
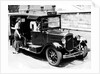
(19, 18)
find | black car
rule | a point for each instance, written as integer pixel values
(44, 35)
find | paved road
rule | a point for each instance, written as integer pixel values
(29, 60)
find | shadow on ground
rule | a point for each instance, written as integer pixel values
(33, 55)
(42, 57)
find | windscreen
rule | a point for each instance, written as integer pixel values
(53, 22)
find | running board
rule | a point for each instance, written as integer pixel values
(25, 48)
(32, 48)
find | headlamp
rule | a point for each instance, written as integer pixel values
(63, 40)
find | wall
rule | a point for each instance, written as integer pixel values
(76, 20)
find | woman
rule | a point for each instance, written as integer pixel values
(17, 36)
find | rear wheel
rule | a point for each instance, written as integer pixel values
(12, 42)
(53, 56)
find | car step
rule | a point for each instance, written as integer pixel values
(29, 42)
(25, 48)
(33, 46)
(33, 50)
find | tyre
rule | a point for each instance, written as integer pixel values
(53, 56)
(84, 53)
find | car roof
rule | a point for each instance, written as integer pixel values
(36, 17)
(32, 16)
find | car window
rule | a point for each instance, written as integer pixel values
(53, 22)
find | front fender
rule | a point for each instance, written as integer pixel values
(54, 44)
(57, 45)
(83, 41)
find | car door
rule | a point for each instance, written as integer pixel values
(39, 38)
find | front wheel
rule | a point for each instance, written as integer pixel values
(84, 52)
(53, 56)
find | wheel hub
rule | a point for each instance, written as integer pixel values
(52, 56)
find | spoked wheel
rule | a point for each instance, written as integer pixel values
(53, 56)
(84, 52)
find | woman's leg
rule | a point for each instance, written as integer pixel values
(17, 45)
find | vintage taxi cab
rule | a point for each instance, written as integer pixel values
(44, 34)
